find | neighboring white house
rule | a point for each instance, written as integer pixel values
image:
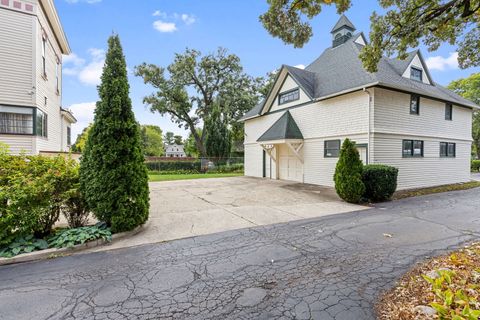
(397, 116)
(175, 151)
(32, 42)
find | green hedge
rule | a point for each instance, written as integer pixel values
(190, 166)
(475, 165)
(380, 182)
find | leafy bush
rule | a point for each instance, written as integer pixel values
(380, 181)
(475, 165)
(237, 167)
(113, 175)
(71, 237)
(32, 194)
(348, 173)
(23, 245)
(172, 166)
(75, 208)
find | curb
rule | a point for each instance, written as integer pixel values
(61, 252)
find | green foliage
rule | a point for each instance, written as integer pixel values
(190, 146)
(475, 165)
(451, 305)
(33, 191)
(23, 245)
(232, 168)
(178, 139)
(348, 173)
(404, 24)
(380, 182)
(113, 176)
(79, 144)
(75, 207)
(469, 88)
(152, 141)
(169, 138)
(71, 237)
(217, 138)
(195, 84)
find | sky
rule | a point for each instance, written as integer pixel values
(153, 31)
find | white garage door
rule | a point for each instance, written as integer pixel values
(291, 168)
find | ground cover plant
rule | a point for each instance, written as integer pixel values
(444, 288)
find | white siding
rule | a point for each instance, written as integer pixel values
(289, 84)
(47, 87)
(336, 118)
(430, 170)
(16, 57)
(392, 115)
(417, 63)
(18, 144)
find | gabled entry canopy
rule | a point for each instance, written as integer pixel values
(283, 129)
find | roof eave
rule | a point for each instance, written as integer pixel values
(54, 20)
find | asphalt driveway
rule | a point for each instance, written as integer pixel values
(186, 208)
(323, 268)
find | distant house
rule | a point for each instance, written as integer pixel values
(397, 116)
(32, 42)
(175, 151)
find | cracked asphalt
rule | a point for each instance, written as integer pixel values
(331, 267)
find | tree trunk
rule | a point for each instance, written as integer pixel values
(198, 141)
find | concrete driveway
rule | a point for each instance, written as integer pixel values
(180, 209)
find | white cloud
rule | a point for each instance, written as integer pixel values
(300, 66)
(162, 26)
(440, 63)
(159, 13)
(88, 74)
(84, 113)
(188, 19)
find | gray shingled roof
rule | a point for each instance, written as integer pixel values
(340, 69)
(283, 129)
(343, 21)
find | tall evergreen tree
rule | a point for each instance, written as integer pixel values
(348, 173)
(113, 175)
(217, 138)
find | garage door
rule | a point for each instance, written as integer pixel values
(291, 168)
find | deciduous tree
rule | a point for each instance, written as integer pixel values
(152, 140)
(403, 25)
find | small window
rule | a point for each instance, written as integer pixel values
(414, 104)
(416, 74)
(332, 149)
(448, 111)
(289, 96)
(412, 148)
(448, 149)
(69, 136)
(44, 52)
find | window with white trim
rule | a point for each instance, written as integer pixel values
(44, 59)
(289, 96)
(416, 74)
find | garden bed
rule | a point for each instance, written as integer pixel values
(446, 287)
(171, 177)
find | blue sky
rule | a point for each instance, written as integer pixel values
(153, 31)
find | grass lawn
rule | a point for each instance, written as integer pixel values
(171, 177)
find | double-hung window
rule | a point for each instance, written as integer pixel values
(332, 149)
(289, 96)
(44, 59)
(448, 111)
(412, 148)
(447, 150)
(41, 123)
(16, 120)
(414, 104)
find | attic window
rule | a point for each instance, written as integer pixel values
(416, 74)
(288, 96)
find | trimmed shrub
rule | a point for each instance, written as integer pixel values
(380, 182)
(190, 166)
(348, 173)
(475, 165)
(113, 175)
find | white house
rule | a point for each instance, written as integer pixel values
(397, 116)
(175, 151)
(32, 42)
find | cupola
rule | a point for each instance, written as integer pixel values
(342, 31)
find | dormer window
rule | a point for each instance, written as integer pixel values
(288, 96)
(416, 74)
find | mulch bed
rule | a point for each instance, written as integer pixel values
(413, 296)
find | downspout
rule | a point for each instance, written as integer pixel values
(369, 123)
